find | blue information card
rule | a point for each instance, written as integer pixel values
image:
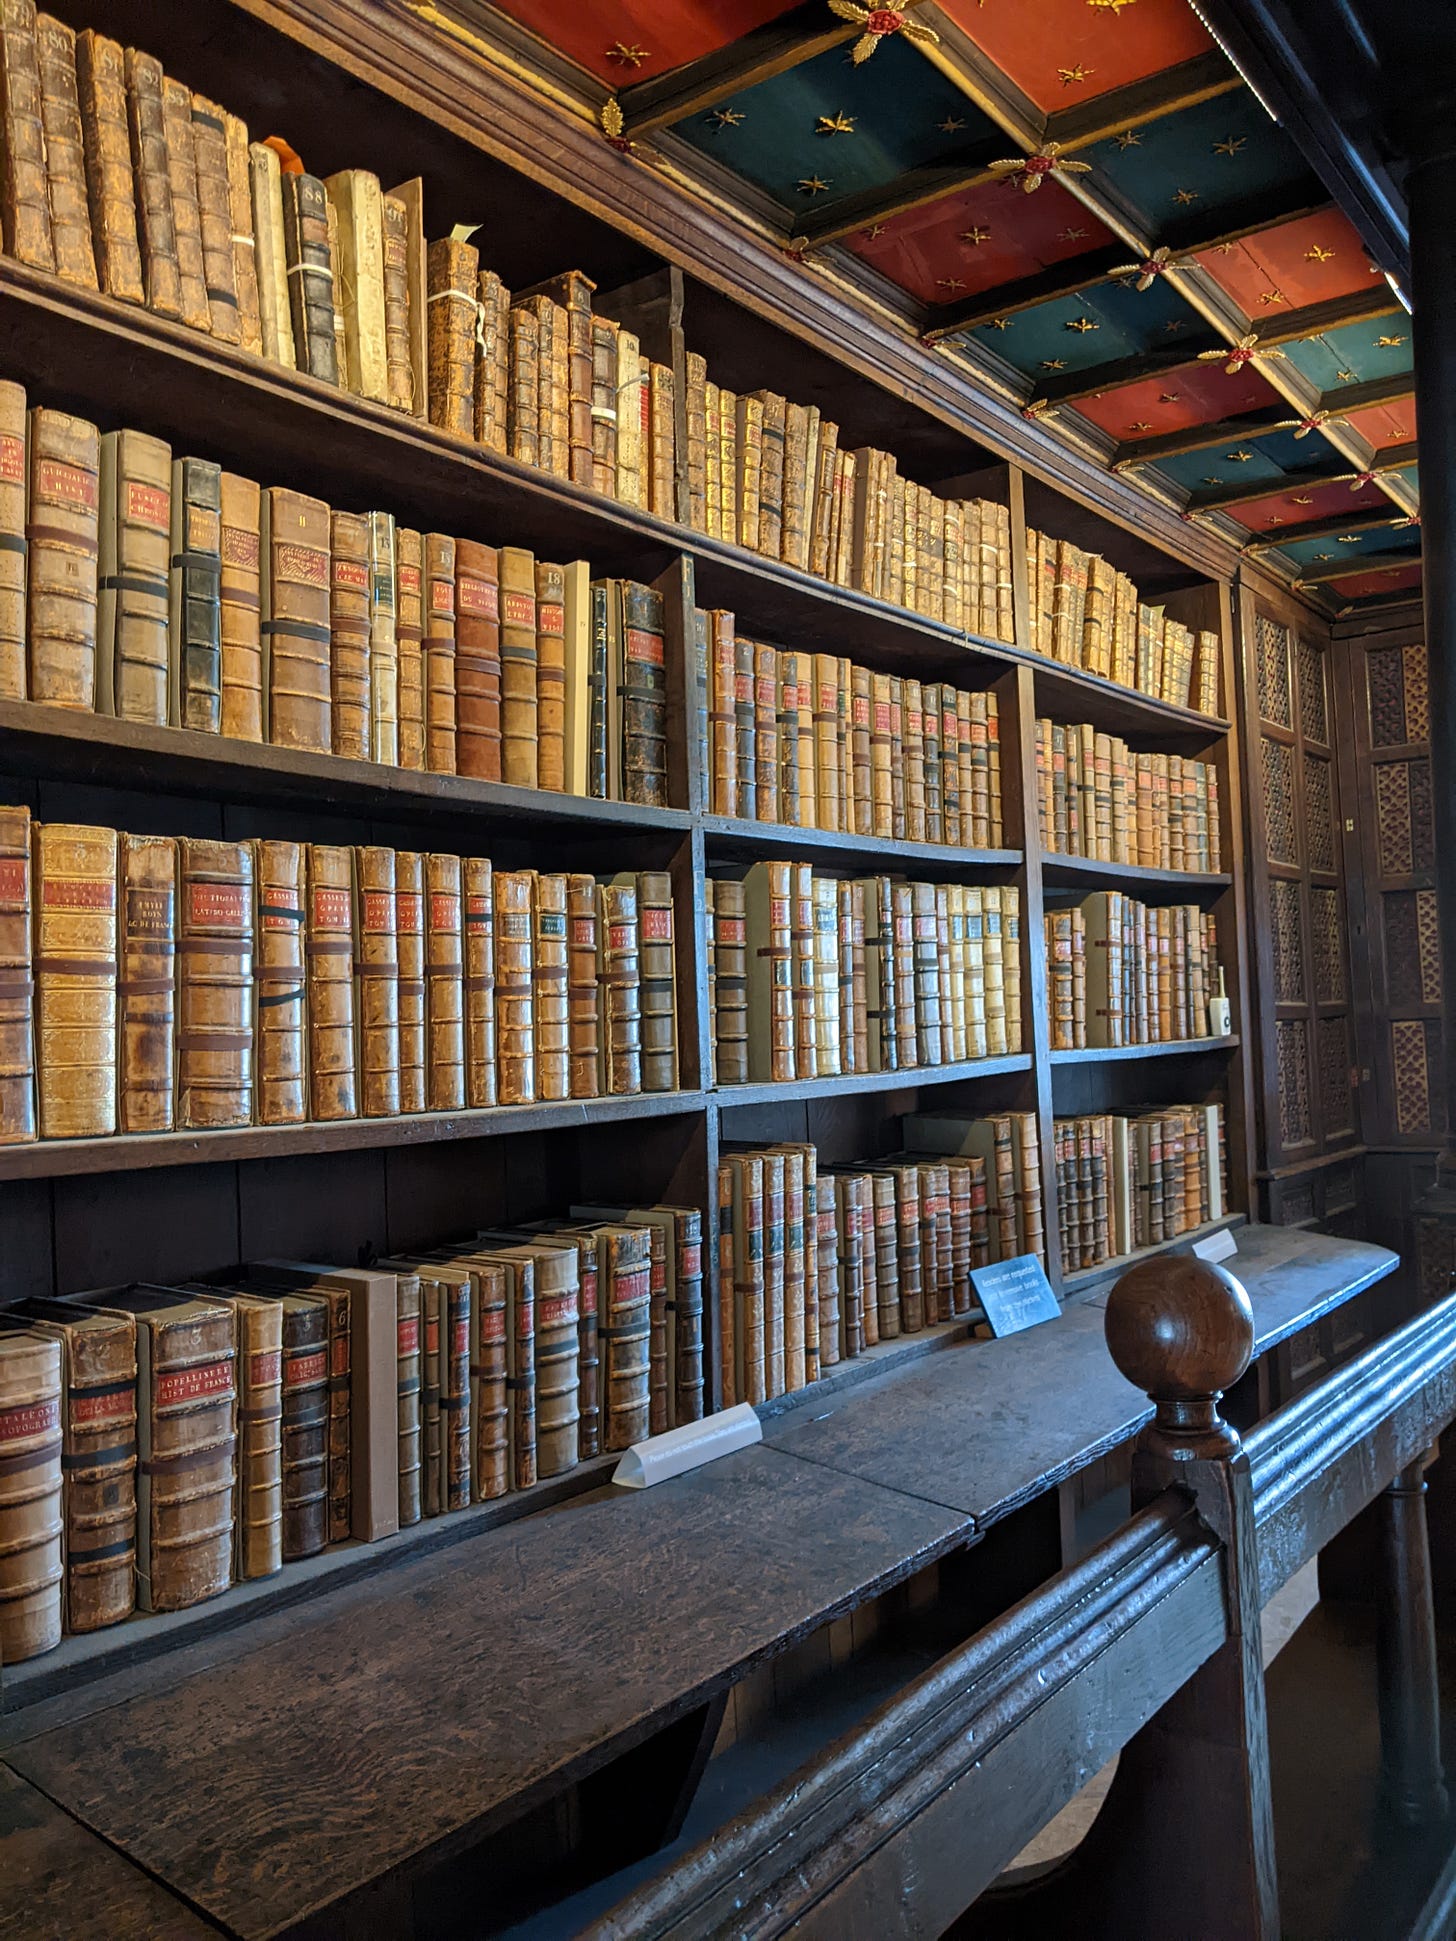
(1016, 1294)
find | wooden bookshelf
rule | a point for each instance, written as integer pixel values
(70, 1214)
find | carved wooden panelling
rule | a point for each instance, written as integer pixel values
(1336, 1102)
(1417, 694)
(1289, 985)
(1342, 1188)
(1313, 709)
(1271, 658)
(1279, 801)
(1428, 934)
(1319, 825)
(1385, 674)
(1422, 815)
(1412, 948)
(1291, 1037)
(1415, 1053)
(1296, 1204)
(1325, 922)
(1393, 817)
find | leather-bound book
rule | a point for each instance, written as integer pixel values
(552, 450)
(660, 441)
(341, 348)
(101, 87)
(332, 1062)
(696, 414)
(431, 1444)
(488, 1414)
(279, 876)
(383, 642)
(518, 667)
(658, 981)
(582, 994)
(275, 308)
(555, 1357)
(398, 360)
(493, 366)
(17, 983)
(731, 981)
(624, 1300)
(767, 894)
(61, 533)
(444, 986)
(186, 1445)
(573, 294)
(215, 217)
(410, 940)
(376, 969)
(480, 1066)
(358, 203)
(604, 405)
(13, 476)
(685, 1312)
(214, 983)
(409, 634)
(407, 1340)
(310, 271)
(550, 677)
(186, 213)
(602, 750)
(241, 238)
(258, 1512)
(439, 654)
(75, 979)
(514, 1004)
(576, 653)
(99, 1454)
(156, 222)
(65, 153)
(619, 975)
(455, 1304)
(548, 980)
(644, 697)
(722, 775)
(240, 608)
(31, 1521)
(452, 273)
(146, 984)
(305, 1439)
(296, 633)
(134, 547)
(24, 205)
(349, 631)
(523, 400)
(196, 594)
(478, 655)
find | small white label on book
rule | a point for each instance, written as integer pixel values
(689, 1447)
(1216, 1246)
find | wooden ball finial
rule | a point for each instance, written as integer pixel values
(1182, 1331)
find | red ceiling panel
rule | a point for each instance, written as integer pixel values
(1310, 502)
(979, 239)
(1385, 424)
(622, 41)
(1365, 586)
(1064, 51)
(1286, 268)
(1193, 394)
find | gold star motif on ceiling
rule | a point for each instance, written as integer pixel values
(1230, 145)
(1212, 481)
(1388, 343)
(1303, 498)
(1140, 424)
(726, 117)
(1072, 236)
(1170, 397)
(1349, 539)
(625, 53)
(1344, 377)
(951, 283)
(1317, 255)
(1274, 520)
(1054, 363)
(839, 124)
(1113, 7)
(813, 185)
(1273, 296)
(1324, 555)
(975, 235)
(875, 230)
(1173, 326)
(1185, 196)
(1129, 138)
(1070, 76)
(1223, 249)
(999, 323)
(952, 125)
(1081, 325)
(1240, 457)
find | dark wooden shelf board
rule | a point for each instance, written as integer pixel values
(1074, 695)
(912, 1078)
(731, 838)
(1108, 1054)
(133, 1152)
(53, 742)
(1077, 870)
(1088, 1277)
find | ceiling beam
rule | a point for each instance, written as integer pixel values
(1188, 235)
(1357, 306)
(757, 56)
(1163, 93)
(964, 170)
(1199, 438)
(1216, 497)
(1365, 521)
(1346, 569)
(1123, 371)
(1394, 389)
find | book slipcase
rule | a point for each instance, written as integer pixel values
(180, 1204)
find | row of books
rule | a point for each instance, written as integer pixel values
(816, 1264)
(1122, 972)
(818, 742)
(162, 1443)
(1097, 798)
(811, 976)
(1128, 1181)
(152, 982)
(1086, 614)
(169, 591)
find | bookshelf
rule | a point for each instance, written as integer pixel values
(72, 1214)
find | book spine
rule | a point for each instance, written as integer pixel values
(658, 981)
(492, 364)
(156, 220)
(197, 593)
(723, 797)
(398, 361)
(626, 1333)
(731, 983)
(280, 976)
(75, 973)
(101, 88)
(275, 309)
(186, 213)
(619, 981)
(557, 1320)
(515, 1011)
(215, 984)
(644, 698)
(523, 409)
(240, 233)
(517, 669)
(25, 213)
(479, 673)
(214, 212)
(65, 153)
(376, 972)
(258, 1512)
(407, 1348)
(439, 654)
(310, 274)
(61, 534)
(548, 985)
(604, 405)
(14, 473)
(410, 935)
(357, 204)
(17, 983)
(550, 677)
(661, 442)
(30, 1497)
(99, 1464)
(329, 949)
(383, 641)
(479, 917)
(582, 994)
(132, 585)
(409, 639)
(146, 984)
(687, 1304)
(349, 634)
(444, 986)
(295, 623)
(188, 1460)
(305, 1388)
(240, 609)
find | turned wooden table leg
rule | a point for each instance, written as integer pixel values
(1412, 1782)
